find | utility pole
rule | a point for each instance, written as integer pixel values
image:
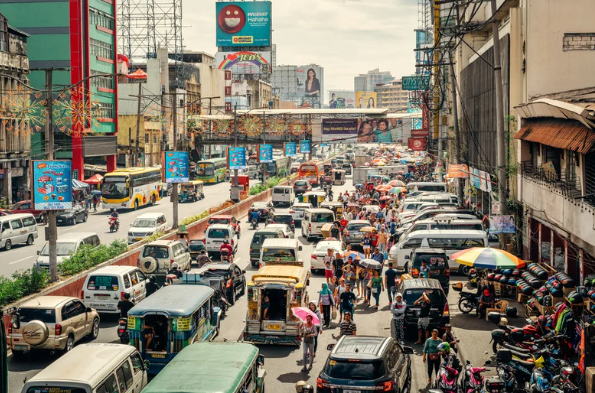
(235, 141)
(457, 145)
(130, 153)
(174, 192)
(500, 137)
(136, 153)
(436, 125)
(263, 166)
(52, 231)
(311, 144)
(210, 123)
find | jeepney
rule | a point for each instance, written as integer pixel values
(338, 177)
(273, 291)
(315, 198)
(336, 207)
(191, 191)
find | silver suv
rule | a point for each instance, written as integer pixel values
(51, 323)
(352, 233)
(158, 257)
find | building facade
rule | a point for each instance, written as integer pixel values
(369, 80)
(392, 96)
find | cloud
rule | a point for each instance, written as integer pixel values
(346, 37)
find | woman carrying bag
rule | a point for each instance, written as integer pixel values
(432, 354)
(325, 302)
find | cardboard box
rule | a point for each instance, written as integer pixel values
(590, 379)
(567, 291)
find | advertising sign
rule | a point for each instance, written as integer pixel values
(290, 149)
(236, 157)
(362, 130)
(305, 146)
(310, 80)
(502, 224)
(341, 99)
(416, 144)
(52, 185)
(458, 171)
(176, 166)
(415, 82)
(265, 153)
(243, 23)
(482, 181)
(242, 63)
(365, 99)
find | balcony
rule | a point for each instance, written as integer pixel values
(566, 184)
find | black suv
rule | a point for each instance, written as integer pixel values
(234, 277)
(412, 289)
(362, 363)
(436, 260)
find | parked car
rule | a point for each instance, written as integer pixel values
(301, 186)
(412, 290)
(235, 278)
(51, 323)
(366, 363)
(72, 216)
(264, 208)
(146, 225)
(106, 286)
(286, 229)
(317, 257)
(352, 234)
(27, 207)
(158, 256)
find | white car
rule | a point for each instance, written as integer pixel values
(216, 234)
(317, 257)
(287, 232)
(146, 225)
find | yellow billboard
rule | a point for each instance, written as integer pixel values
(365, 99)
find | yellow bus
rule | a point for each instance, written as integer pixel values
(131, 188)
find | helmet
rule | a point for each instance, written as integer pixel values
(226, 240)
(308, 389)
(503, 322)
(126, 295)
(542, 320)
(299, 386)
(444, 347)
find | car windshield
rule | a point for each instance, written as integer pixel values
(68, 211)
(145, 223)
(196, 245)
(411, 295)
(432, 260)
(258, 238)
(322, 217)
(114, 187)
(217, 233)
(283, 219)
(55, 389)
(216, 273)
(324, 246)
(354, 370)
(357, 227)
(156, 252)
(103, 283)
(45, 315)
(300, 183)
(224, 221)
(275, 254)
(62, 249)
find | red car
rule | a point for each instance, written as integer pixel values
(226, 220)
(27, 207)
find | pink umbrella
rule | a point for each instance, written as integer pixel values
(302, 312)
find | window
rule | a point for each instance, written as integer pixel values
(155, 139)
(102, 19)
(29, 222)
(137, 363)
(104, 110)
(126, 281)
(102, 79)
(127, 371)
(140, 276)
(5, 226)
(101, 49)
(146, 138)
(25, 206)
(109, 386)
(121, 380)
(67, 311)
(412, 243)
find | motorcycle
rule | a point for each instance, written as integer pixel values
(474, 277)
(254, 223)
(123, 331)
(467, 302)
(225, 256)
(114, 224)
(473, 379)
(447, 379)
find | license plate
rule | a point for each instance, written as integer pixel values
(102, 297)
(274, 327)
(350, 391)
(21, 348)
(138, 239)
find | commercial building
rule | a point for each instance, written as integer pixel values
(369, 80)
(76, 38)
(15, 131)
(392, 96)
(301, 85)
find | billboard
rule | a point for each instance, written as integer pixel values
(365, 99)
(303, 86)
(176, 166)
(290, 149)
(265, 153)
(243, 23)
(341, 99)
(52, 185)
(305, 146)
(502, 224)
(362, 130)
(244, 62)
(236, 157)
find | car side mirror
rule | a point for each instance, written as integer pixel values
(408, 350)
(300, 248)
(330, 347)
(15, 321)
(38, 251)
(243, 272)
(146, 364)
(89, 309)
(261, 360)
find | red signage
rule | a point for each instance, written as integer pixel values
(420, 133)
(417, 144)
(425, 120)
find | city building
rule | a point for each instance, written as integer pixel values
(290, 83)
(76, 38)
(15, 132)
(368, 81)
(392, 96)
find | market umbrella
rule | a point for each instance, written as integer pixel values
(302, 313)
(396, 183)
(487, 258)
(384, 198)
(95, 179)
(397, 190)
(370, 264)
(95, 192)
(383, 187)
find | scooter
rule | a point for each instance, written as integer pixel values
(114, 224)
(254, 223)
(467, 300)
(123, 331)
(225, 256)
(447, 379)
(473, 379)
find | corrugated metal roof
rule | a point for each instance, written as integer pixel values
(563, 134)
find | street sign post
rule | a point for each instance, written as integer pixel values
(415, 82)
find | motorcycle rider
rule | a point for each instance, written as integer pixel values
(152, 286)
(125, 305)
(226, 247)
(255, 216)
(115, 216)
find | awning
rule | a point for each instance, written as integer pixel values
(95, 179)
(562, 134)
(78, 185)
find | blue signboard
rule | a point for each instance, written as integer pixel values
(176, 166)
(475, 180)
(305, 146)
(52, 185)
(236, 157)
(265, 153)
(243, 23)
(290, 149)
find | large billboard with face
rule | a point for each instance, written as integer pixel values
(244, 62)
(379, 130)
(309, 83)
(301, 85)
(246, 23)
(341, 99)
(365, 99)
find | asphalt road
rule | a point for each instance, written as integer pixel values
(23, 257)
(282, 363)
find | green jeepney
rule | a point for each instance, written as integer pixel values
(212, 367)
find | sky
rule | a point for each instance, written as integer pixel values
(346, 37)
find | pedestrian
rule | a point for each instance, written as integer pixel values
(378, 256)
(390, 276)
(450, 338)
(312, 307)
(367, 243)
(95, 202)
(325, 302)
(423, 322)
(349, 276)
(358, 280)
(329, 259)
(88, 201)
(348, 327)
(336, 232)
(398, 308)
(151, 286)
(347, 299)
(340, 289)
(382, 241)
(332, 286)
(338, 265)
(377, 287)
(309, 331)
(367, 285)
(424, 270)
(432, 354)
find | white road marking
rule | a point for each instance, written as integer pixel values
(20, 260)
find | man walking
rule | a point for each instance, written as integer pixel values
(347, 300)
(348, 327)
(398, 310)
(390, 275)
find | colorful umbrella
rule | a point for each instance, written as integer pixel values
(487, 258)
(396, 183)
(354, 255)
(370, 264)
(397, 190)
(383, 188)
(302, 313)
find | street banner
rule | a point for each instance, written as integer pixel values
(236, 158)
(361, 130)
(243, 23)
(502, 224)
(290, 149)
(482, 181)
(305, 146)
(52, 185)
(417, 144)
(488, 183)
(176, 166)
(265, 153)
(474, 177)
(458, 171)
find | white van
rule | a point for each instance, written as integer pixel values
(105, 287)
(391, 170)
(443, 224)
(426, 186)
(66, 245)
(283, 196)
(314, 220)
(92, 368)
(17, 228)
(450, 241)
(146, 225)
(280, 251)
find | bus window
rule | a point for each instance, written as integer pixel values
(114, 188)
